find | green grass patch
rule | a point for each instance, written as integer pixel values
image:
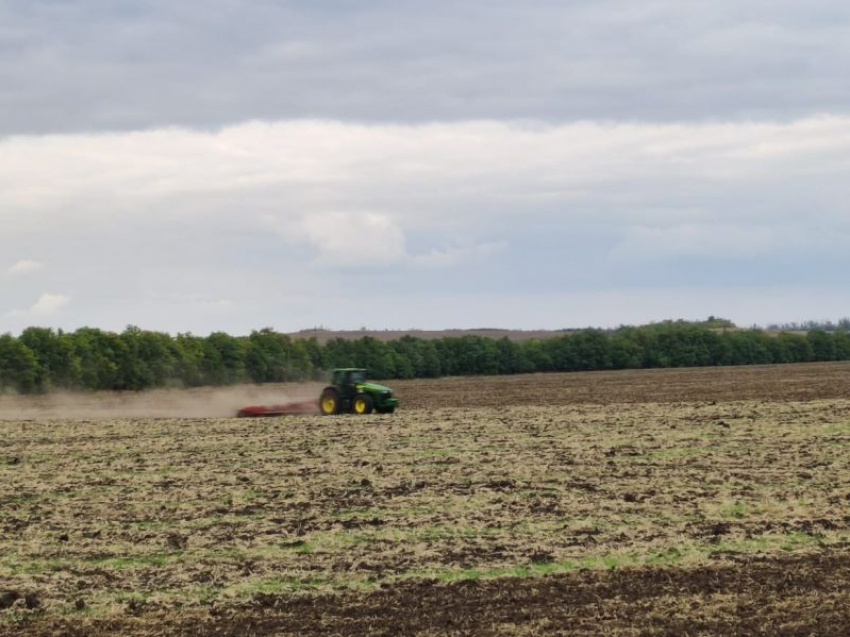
(439, 453)
(276, 586)
(136, 561)
(838, 428)
(663, 557)
(673, 453)
(735, 511)
(139, 597)
(297, 546)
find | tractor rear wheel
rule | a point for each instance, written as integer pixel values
(329, 402)
(362, 404)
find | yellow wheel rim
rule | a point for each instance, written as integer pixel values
(360, 406)
(329, 405)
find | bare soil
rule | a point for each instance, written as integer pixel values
(810, 381)
(670, 502)
(756, 597)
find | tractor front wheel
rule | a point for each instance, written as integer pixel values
(329, 402)
(362, 404)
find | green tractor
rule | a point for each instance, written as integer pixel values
(350, 392)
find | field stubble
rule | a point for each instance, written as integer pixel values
(470, 495)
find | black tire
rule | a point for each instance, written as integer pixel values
(327, 407)
(362, 404)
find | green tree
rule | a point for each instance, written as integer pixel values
(822, 344)
(536, 352)
(146, 360)
(187, 354)
(269, 357)
(224, 359)
(58, 363)
(99, 354)
(842, 345)
(317, 356)
(749, 348)
(626, 351)
(375, 356)
(18, 365)
(590, 350)
(512, 358)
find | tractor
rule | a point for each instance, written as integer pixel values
(350, 392)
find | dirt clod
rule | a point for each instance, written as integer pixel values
(8, 599)
(720, 528)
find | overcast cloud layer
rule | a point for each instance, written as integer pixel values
(97, 64)
(229, 165)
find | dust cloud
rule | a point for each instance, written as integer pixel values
(207, 402)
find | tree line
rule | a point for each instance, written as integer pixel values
(43, 359)
(842, 325)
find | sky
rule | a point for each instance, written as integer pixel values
(232, 165)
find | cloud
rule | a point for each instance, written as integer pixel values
(219, 305)
(46, 305)
(144, 225)
(605, 307)
(49, 304)
(89, 65)
(355, 239)
(454, 255)
(694, 240)
(26, 266)
(337, 174)
(263, 151)
(363, 240)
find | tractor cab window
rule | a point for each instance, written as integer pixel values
(357, 377)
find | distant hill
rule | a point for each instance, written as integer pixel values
(717, 324)
(323, 335)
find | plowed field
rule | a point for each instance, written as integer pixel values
(669, 502)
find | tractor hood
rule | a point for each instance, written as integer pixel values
(373, 387)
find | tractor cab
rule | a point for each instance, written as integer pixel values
(351, 392)
(347, 380)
